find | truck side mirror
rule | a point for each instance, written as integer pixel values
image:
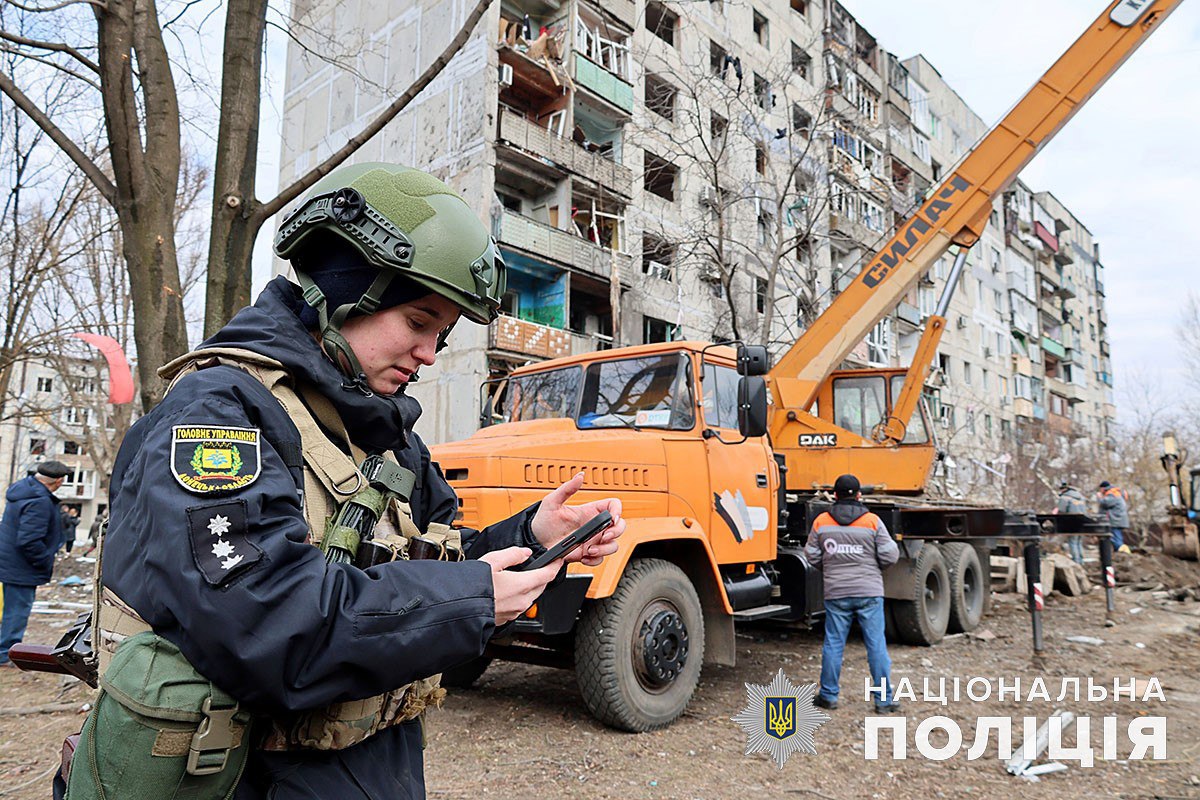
(753, 359)
(752, 406)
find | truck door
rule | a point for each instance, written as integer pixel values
(743, 477)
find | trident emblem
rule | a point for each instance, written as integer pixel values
(781, 716)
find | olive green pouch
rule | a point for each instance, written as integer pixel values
(159, 729)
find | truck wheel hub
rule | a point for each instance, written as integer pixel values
(663, 641)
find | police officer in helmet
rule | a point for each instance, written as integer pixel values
(220, 493)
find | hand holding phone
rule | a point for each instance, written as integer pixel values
(577, 538)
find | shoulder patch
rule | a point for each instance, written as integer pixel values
(219, 544)
(207, 459)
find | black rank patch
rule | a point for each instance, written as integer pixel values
(207, 459)
(219, 543)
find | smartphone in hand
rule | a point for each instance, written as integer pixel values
(579, 537)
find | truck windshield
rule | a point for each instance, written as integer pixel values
(543, 395)
(652, 392)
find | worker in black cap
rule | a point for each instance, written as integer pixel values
(30, 535)
(851, 546)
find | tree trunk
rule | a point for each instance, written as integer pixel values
(144, 150)
(231, 241)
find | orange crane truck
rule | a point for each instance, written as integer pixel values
(720, 486)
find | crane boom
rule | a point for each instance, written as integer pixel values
(957, 210)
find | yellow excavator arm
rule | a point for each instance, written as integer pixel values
(957, 210)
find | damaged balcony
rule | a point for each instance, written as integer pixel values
(561, 224)
(602, 59)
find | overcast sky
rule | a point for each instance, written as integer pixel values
(1127, 165)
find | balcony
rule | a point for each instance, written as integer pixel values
(1063, 256)
(520, 132)
(1023, 407)
(1067, 289)
(603, 83)
(562, 247)
(907, 312)
(1019, 282)
(1059, 424)
(1039, 411)
(1105, 378)
(1053, 347)
(623, 10)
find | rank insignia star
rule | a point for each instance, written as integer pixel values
(218, 525)
(779, 718)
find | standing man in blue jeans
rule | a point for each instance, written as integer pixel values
(30, 535)
(851, 547)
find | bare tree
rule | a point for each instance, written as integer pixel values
(704, 126)
(118, 49)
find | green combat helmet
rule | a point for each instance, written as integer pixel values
(406, 223)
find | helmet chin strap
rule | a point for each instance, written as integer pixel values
(333, 343)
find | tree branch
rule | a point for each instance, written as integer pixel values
(59, 47)
(290, 193)
(56, 6)
(93, 172)
(50, 63)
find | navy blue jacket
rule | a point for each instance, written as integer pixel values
(30, 533)
(283, 631)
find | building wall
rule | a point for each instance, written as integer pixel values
(54, 430)
(534, 143)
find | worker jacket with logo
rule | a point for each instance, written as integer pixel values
(851, 546)
(1070, 501)
(1115, 507)
(208, 543)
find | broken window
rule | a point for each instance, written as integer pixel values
(800, 7)
(801, 61)
(661, 21)
(660, 97)
(717, 59)
(658, 176)
(760, 295)
(762, 93)
(37, 447)
(801, 121)
(658, 256)
(760, 158)
(717, 126)
(762, 32)
(656, 330)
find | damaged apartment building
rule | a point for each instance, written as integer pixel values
(655, 170)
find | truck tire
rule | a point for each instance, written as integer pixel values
(638, 653)
(464, 675)
(968, 586)
(923, 620)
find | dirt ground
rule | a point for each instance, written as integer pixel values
(524, 732)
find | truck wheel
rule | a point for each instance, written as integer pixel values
(638, 653)
(464, 675)
(968, 586)
(923, 619)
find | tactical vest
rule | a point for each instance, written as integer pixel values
(330, 478)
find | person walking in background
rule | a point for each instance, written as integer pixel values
(30, 535)
(851, 546)
(70, 521)
(1114, 505)
(1071, 501)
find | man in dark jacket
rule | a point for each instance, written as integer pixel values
(30, 535)
(851, 547)
(1071, 501)
(214, 494)
(70, 522)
